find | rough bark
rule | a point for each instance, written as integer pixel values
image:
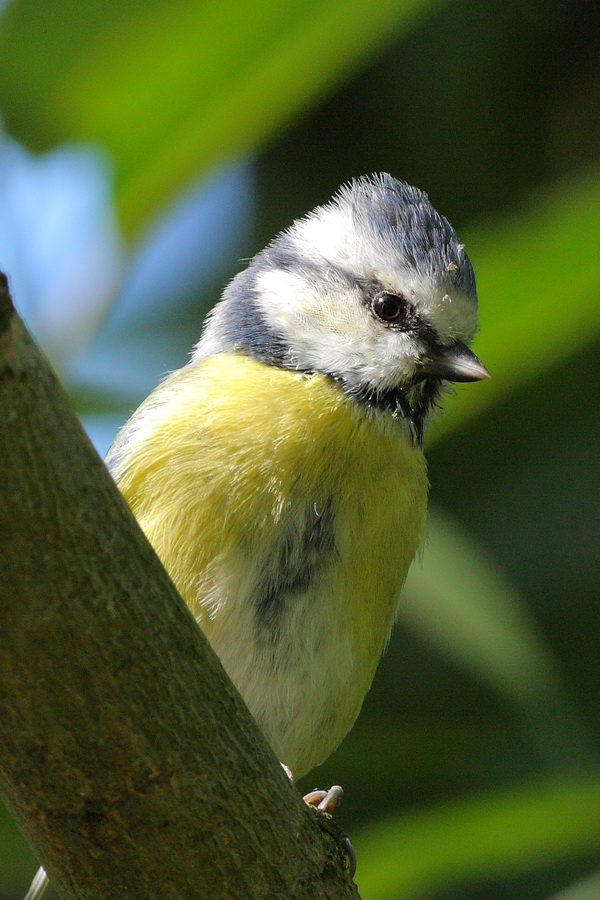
(130, 761)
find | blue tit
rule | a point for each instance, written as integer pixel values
(280, 476)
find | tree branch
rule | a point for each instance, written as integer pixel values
(127, 756)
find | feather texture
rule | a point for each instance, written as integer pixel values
(287, 514)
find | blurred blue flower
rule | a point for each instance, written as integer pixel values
(190, 245)
(174, 274)
(59, 243)
(112, 327)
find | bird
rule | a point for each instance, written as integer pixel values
(280, 475)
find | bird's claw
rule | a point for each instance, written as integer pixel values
(325, 801)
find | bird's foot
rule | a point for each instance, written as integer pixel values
(325, 801)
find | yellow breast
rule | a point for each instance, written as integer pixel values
(264, 489)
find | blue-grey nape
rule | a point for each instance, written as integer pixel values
(238, 323)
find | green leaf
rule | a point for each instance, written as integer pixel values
(588, 889)
(170, 89)
(457, 600)
(497, 835)
(17, 861)
(461, 602)
(538, 275)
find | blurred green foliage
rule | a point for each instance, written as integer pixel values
(172, 88)
(473, 770)
(486, 836)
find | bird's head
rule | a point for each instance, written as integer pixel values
(372, 289)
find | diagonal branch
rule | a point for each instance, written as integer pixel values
(130, 761)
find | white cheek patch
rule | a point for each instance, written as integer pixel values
(334, 312)
(302, 312)
(315, 325)
(334, 332)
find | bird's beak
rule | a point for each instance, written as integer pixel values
(455, 363)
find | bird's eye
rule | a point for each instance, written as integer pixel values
(390, 308)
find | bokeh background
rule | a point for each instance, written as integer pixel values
(148, 147)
